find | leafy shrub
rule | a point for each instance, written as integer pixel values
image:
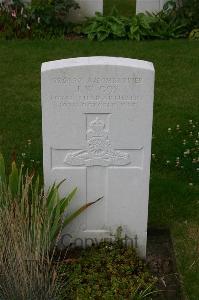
(166, 25)
(106, 271)
(189, 10)
(151, 26)
(104, 27)
(14, 20)
(186, 10)
(45, 19)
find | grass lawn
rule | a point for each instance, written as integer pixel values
(173, 202)
(125, 7)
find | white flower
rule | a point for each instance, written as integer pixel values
(169, 129)
(190, 121)
(187, 152)
(190, 184)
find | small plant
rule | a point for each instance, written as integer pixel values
(27, 158)
(47, 209)
(27, 272)
(194, 34)
(103, 27)
(186, 11)
(140, 27)
(30, 224)
(167, 26)
(106, 271)
(183, 155)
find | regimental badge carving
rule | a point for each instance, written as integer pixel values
(99, 151)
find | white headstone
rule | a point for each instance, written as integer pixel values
(151, 6)
(88, 8)
(97, 129)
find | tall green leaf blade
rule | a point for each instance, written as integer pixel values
(13, 180)
(55, 222)
(66, 201)
(75, 214)
(2, 170)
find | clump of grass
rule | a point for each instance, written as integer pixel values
(26, 272)
(106, 271)
(26, 253)
(30, 225)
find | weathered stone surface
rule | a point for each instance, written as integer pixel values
(149, 5)
(97, 128)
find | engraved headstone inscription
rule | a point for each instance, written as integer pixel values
(97, 128)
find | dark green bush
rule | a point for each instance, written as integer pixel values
(43, 19)
(189, 10)
(167, 25)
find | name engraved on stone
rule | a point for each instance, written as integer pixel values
(65, 80)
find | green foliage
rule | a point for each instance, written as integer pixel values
(106, 271)
(160, 26)
(30, 224)
(184, 10)
(182, 143)
(27, 272)
(190, 11)
(140, 27)
(42, 19)
(104, 27)
(168, 26)
(194, 34)
(43, 212)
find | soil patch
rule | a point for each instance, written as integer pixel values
(161, 262)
